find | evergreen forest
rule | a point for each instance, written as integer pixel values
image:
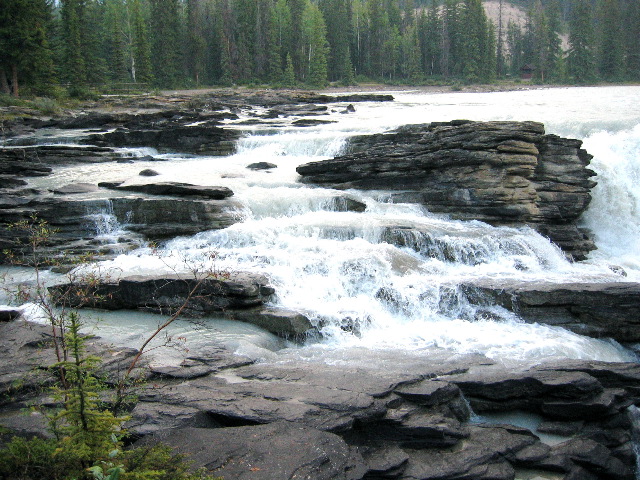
(77, 45)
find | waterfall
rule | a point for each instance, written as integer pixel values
(378, 276)
(107, 230)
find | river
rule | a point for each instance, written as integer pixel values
(373, 301)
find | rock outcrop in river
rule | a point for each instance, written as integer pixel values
(239, 296)
(503, 173)
(609, 310)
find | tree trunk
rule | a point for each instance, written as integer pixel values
(14, 80)
(4, 83)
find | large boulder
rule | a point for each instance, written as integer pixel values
(503, 173)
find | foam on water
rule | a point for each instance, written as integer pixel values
(387, 280)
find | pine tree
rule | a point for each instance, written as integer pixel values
(338, 18)
(581, 59)
(165, 45)
(474, 40)
(451, 45)
(411, 54)
(378, 32)
(314, 35)
(296, 47)
(197, 45)
(360, 40)
(142, 70)
(610, 42)
(25, 55)
(631, 44)
(515, 48)
(117, 44)
(429, 34)
(73, 14)
(289, 75)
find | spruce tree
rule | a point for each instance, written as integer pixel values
(631, 44)
(515, 48)
(117, 45)
(610, 42)
(142, 70)
(296, 46)
(25, 55)
(73, 14)
(289, 75)
(165, 45)
(314, 35)
(337, 15)
(430, 37)
(581, 60)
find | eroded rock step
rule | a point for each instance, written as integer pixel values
(503, 173)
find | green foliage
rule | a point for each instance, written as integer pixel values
(316, 48)
(581, 58)
(87, 436)
(185, 43)
(43, 459)
(45, 105)
(289, 76)
(25, 54)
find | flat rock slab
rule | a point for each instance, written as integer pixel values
(239, 296)
(278, 450)
(75, 188)
(176, 189)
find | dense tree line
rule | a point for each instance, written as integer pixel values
(169, 43)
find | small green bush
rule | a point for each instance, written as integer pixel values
(46, 105)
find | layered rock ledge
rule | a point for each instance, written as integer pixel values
(240, 296)
(503, 173)
(593, 309)
(404, 418)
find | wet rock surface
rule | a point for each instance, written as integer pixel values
(240, 296)
(77, 222)
(243, 419)
(175, 189)
(503, 173)
(429, 419)
(593, 309)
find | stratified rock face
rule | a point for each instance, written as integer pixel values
(208, 139)
(503, 173)
(241, 296)
(594, 309)
(395, 420)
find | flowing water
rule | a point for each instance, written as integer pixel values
(374, 301)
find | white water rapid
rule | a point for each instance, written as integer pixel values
(336, 267)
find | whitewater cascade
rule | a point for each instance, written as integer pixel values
(364, 289)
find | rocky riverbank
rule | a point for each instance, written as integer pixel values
(441, 416)
(193, 124)
(412, 420)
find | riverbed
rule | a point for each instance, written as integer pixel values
(334, 266)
